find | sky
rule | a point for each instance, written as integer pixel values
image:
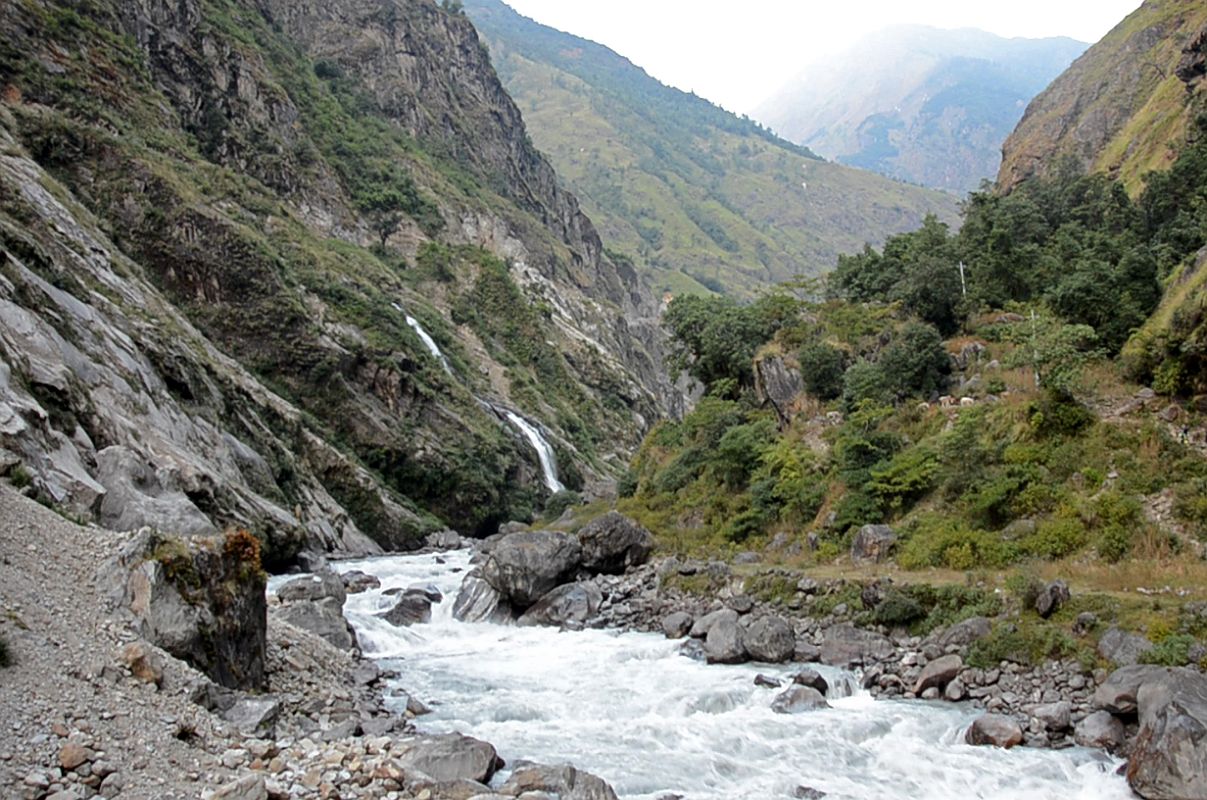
(737, 53)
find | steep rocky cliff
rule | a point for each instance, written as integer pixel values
(222, 225)
(1124, 106)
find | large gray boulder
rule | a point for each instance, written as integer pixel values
(703, 625)
(448, 757)
(1118, 693)
(1122, 648)
(613, 543)
(1051, 597)
(478, 601)
(724, 643)
(677, 624)
(770, 639)
(996, 730)
(412, 608)
(847, 646)
(797, 699)
(571, 605)
(1169, 754)
(963, 633)
(938, 673)
(1101, 730)
(324, 618)
(563, 781)
(873, 543)
(524, 566)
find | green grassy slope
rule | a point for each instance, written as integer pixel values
(695, 195)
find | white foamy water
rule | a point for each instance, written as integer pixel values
(424, 337)
(628, 708)
(544, 451)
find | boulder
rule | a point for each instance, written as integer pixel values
(964, 633)
(444, 540)
(797, 699)
(724, 643)
(704, 624)
(994, 729)
(873, 543)
(323, 618)
(249, 787)
(137, 495)
(1056, 716)
(448, 757)
(412, 608)
(766, 681)
(144, 663)
(564, 782)
(1169, 753)
(770, 639)
(1102, 730)
(571, 604)
(613, 543)
(1117, 694)
(356, 582)
(524, 566)
(1051, 597)
(429, 590)
(811, 678)
(846, 646)
(478, 601)
(324, 583)
(254, 716)
(677, 624)
(938, 673)
(1122, 648)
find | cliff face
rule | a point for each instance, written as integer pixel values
(253, 193)
(1123, 106)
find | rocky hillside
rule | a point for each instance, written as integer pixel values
(696, 197)
(224, 225)
(921, 104)
(1125, 106)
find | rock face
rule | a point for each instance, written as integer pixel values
(1169, 754)
(996, 730)
(613, 543)
(770, 639)
(316, 603)
(524, 566)
(478, 601)
(778, 383)
(569, 605)
(873, 543)
(449, 757)
(202, 601)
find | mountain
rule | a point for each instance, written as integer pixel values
(921, 104)
(1125, 106)
(227, 227)
(694, 195)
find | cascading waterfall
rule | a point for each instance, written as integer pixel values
(427, 340)
(629, 708)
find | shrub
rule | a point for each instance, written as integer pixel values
(1024, 588)
(242, 548)
(1022, 643)
(1055, 538)
(20, 477)
(1172, 651)
(558, 503)
(626, 485)
(821, 368)
(939, 542)
(915, 362)
(897, 609)
(865, 382)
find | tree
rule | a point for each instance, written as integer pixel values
(916, 362)
(821, 368)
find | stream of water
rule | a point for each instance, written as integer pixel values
(629, 708)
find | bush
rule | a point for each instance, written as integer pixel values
(897, 609)
(1055, 538)
(1021, 643)
(558, 503)
(821, 368)
(939, 542)
(865, 382)
(1172, 651)
(626, 485)
(915, 362)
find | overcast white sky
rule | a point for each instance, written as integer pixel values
(737, 52)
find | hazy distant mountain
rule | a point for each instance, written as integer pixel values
(693, 194)
(920, 104)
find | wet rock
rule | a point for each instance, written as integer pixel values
(478, 601)
(798, 699)
(444, 540)
(807, 793)
(770, 639)
(524, 566)
(564, 782)
(766, 681)
(806, 652)
(448, 757)
(428, 590)
(813, 679)
(613, 543)
(356, 582)
(1056, 716)
(724, 643)
(1051, 598)
(873, 543)
(938, 673)
(704, 624)
(677, 624)
(847, 646)
(569, 604)
(322, 584)
(1118, 693)
(1122, 648)
(1169, 753)
(411, 609)
(323, 618)
(996, 730)
(1102, 730)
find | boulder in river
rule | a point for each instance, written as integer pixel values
(524, 566)
(563, 781)
(1169, 753)
(413, 608)
(570, 604)
(770, 639)
(315, 603)
(448, 757)
(811, 678)
(356, 582)
(677, 624)
(797, 699)
(478, 601)
(701, 627)
(938, 673)
(995, 729)
(724, 643)
(847, 646)
(1101, 730)
(613, 543)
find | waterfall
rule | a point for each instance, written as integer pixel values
(427, 340)
(544, 452)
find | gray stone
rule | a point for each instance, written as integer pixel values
(613, 543)
(249, 787)
(135, 497)
(411, 609)
(564, 782)
(323, 618)
(798, 699)
(806, 652)
(964, 633)
(478, 601)
(1051, 598)
(321, 585)
(873, 543)
(813, 679)
(428, 590)
(447, 757)
(1169, 753)
(356, 582)
(1122, 648)
(704, 624)
(938, 673)
(569, 604)
(846, 646)
(996, 730)
(770, 639)
(254, 716)
(1102, 730)
(725, 642)
(1118, 693)
(1056, 716)
(676, 625)
(766, 681)
(524, 566)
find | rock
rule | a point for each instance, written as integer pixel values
(72, 756)
(813, 679)
(996, 730)
(478, 601)
(873, 543)
(569, 604)
(677, 624)
(430, 591)
(448, 757)
(1102, 730)
(1122, 648)
(955, 691)
(1056, 716)
(806, 652)
(938, 673)
(704, 624)
(1051, 598)
(807, 793)
(770, 639)
(356, 582)
(724, 643)
(524, 566)
(766, 681)
(1086, 621)
(1118, 693)
(322, 584)
(444, 540)
(249, 787)
(254, 716)
(135, 496)
(693, 649)
(778, 383)
(742, 603)
(143, 662)
(1169, 753)
(564, 782)
(846, 646)
(411, 609)
(324, 618)
(964, 633)
(613, 543)
(798, 699)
